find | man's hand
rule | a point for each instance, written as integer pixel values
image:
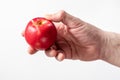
(79, 40)
(76, 39)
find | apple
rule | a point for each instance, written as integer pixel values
(40, 33)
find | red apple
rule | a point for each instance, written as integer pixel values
(40, 33)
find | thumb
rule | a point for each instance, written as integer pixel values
(65, 18)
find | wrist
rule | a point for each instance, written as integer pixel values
(110, 49)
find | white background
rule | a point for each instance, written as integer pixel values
(17, 64)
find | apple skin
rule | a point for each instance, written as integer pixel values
(40, 33)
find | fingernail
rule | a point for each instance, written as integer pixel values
(60, 57)
(47, 16)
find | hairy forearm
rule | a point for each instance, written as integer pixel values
(110, 50)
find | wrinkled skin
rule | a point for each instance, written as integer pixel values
(76, 39)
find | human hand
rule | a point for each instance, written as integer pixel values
(76, 39)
